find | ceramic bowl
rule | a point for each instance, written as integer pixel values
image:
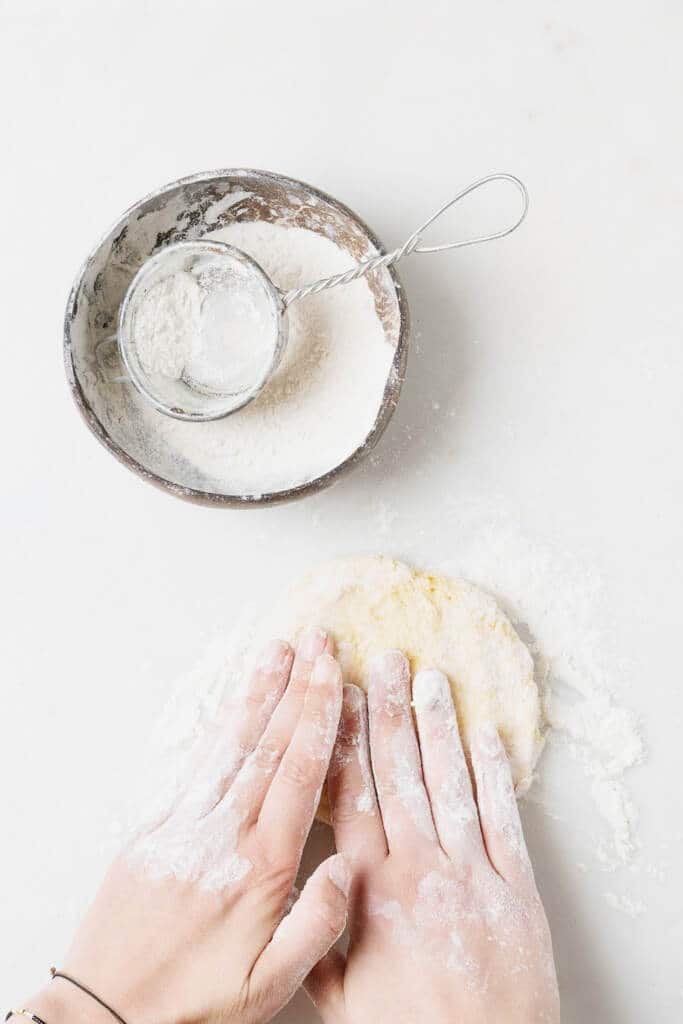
(192, 208)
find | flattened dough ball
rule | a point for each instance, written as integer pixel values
(370, 605)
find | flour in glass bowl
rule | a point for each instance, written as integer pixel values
(324, 398)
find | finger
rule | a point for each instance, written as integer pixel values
(325, 984)
(498, 810)
(240, 726)
(291, 801)
(267, 684)
(445, 769)
(356, 820)
(251, 784)
(307, 933)
(395, 753)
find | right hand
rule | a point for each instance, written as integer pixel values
(446, 924)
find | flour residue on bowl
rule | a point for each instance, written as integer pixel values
(317, 409)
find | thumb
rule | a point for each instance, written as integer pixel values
(325, 983)
(304, 937)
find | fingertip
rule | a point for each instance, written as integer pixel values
(487, 742)
(388, 664)
(354, 697)
(389, 688)
(339, 873)
(312, 643)
(431, 691)
(276, 656)
(326, 670)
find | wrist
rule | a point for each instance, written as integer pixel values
(62, 1003)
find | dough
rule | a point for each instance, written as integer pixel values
(370, 605)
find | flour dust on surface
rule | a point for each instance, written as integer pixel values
(557, 605)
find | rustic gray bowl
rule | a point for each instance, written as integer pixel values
(187, 209)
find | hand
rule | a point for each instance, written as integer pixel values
(446, 924)
(190, 922)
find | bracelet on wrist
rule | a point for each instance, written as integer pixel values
(28, 1014)
(88, 992)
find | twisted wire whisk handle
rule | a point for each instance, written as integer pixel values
(412, 244)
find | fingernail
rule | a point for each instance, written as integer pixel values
(339, 873)
(388, 665)
(353, 697)
(275, 657)
(326, 669)
(311, 644)
(431, 691)
(488, 739)
(390, 683)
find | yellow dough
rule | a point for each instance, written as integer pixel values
(370, 605)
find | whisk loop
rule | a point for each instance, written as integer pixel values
(412, 244)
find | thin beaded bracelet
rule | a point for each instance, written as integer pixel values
(24, 1013)
(67, 977)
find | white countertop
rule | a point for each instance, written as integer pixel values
(554, 359)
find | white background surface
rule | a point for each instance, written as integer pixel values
(557, 355)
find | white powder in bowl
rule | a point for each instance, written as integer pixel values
(212, 323)
(321, 403)
(165, 324)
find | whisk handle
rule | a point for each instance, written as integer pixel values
(412, 244)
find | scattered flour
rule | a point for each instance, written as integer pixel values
(179, 826)
(631, 907)
(558, 607)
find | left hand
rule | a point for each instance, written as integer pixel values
(191, 922)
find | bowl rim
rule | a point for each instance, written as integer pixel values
(194, 495)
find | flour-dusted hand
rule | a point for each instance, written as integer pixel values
(446, 923)
(191, 923)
